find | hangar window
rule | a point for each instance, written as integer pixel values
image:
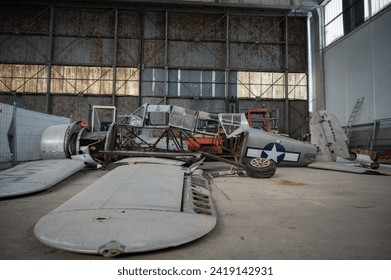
(183, 82)
(341, 17)
(81, 80)
(297, 86)
(23, 78)
(333, 21)
(271, 85)
(372, 7)
(127, 81)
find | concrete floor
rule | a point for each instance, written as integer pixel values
(299, 213)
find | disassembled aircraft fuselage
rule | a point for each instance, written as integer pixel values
(165, 130)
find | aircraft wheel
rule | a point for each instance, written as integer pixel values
(260, 168)
(374, 165)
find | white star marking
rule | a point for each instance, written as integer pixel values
(273, 154)
(256, 152)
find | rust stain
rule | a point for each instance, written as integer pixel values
(289, 183)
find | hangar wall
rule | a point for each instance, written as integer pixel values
(358, 66)
(64, 58)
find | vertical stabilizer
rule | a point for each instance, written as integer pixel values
(328, 135)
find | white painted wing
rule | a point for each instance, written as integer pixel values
(133, 208)
(36, 176)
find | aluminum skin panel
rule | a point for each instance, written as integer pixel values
(53, 142)
(36, 176)
(282, 150)
(133, 208)
(327, 134)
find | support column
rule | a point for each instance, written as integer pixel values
(166, 59)
(318, 100)
(140, 78)
(227, 65)
(49, 64)
(114, 88)
(286, 66)
(14, 133)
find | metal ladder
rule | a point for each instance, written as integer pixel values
(353, 115)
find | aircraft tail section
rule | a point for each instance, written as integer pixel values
(328, 135)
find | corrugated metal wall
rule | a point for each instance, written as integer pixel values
(165, 38)
(172, 52)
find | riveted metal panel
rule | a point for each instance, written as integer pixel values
(297, 60)
(128, 52)
(298, 118)
(29, 20)
(196, 54)
(258, 57)
(170, 38)
(126, 105)
(297, 44)
(154, 53)
(190, 26)
(79, 51)
(129, 24)
(77, 22)
(197, 40)
(257, 43)
(24, 49)
(154, 25)
(256, 29)
(297, 31)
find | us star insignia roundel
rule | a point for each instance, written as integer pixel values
(273, 151)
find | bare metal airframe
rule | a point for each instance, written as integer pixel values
(162, 130)
(141, 207)
(165, 130)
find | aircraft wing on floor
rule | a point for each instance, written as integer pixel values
(133, 208)
(348, 167)
(36, 176)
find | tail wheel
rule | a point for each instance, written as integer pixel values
(260, 168)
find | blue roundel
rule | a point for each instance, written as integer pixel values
(274, 151)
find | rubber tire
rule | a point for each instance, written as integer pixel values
(260, 168)
(374, 165)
